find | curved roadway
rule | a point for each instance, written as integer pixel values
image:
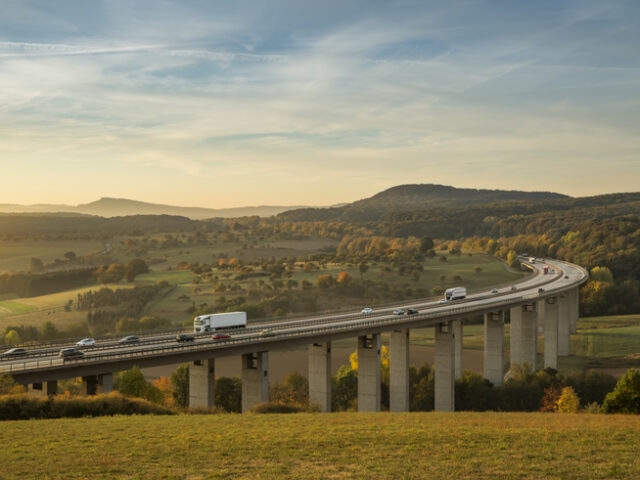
(43, 363)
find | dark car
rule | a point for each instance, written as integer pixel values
(129, 339)
(70, 352)
(14, 352)
(541, 290)
(411, 311)
(185, 337)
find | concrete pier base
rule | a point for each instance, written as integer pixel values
(320, 375)
(444, 368)
(551, 333)
(255, 379)
(105, 383)
(202, 383)
(564, 324)
(494, 347)
(458, 336)
(524, 335)
(90, 385)
(43, 388)
(574, 307)
(399, 371)
(369, 388)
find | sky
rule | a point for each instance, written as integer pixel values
(221, 104)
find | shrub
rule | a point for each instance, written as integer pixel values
(276, 407)
(24, 407)
(625, 398)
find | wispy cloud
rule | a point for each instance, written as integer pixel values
(278, 92)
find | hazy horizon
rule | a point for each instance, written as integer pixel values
(223, 105)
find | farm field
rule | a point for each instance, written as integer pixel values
(319, 446)
(15, 256)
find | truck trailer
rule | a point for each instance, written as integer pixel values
(455, 293)
(215, 321)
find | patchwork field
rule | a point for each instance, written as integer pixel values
(320, 446)
(15, 256)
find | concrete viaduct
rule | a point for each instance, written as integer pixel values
(542, 303)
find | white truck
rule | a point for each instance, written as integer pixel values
(455, 293)
(214, 321)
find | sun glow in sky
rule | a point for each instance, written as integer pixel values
(221, 104)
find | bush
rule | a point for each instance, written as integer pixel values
(276, 407)
(625, 398)
(24, 407)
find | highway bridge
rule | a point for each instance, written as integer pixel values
(545, 303)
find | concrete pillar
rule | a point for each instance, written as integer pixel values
(458, 335)
(574, 308)
(255, 379)
(564, 324)
(399, 371)
(524, 335)
(551, 333)
(540, 308)
(369, 389)
(320, 375)
(90, 385)
(202, 374)
(43, 388)
(445, 369)
(494, 347)
(106, 382)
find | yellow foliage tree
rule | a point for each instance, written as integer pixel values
(166, 388)
(384, 360)
(569, 402)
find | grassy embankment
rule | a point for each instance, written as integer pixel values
(318, 446)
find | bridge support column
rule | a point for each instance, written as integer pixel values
(255, 379)
(90, 385)
(494, 347)
(524, 335)
(399, 371)
(43, 388)
(564, 324)
(369, 388)
(458, 335)
(574, 307)
(202, 383)
(106, 382)
(445, 381)
(551, 333)
(540, 307)
(320, 375)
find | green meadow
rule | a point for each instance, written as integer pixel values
(320, 446)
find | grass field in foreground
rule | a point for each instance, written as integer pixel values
(321, 446)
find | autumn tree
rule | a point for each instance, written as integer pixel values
(568, 402)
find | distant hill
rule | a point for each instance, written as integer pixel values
(417, 197)
(119, 207)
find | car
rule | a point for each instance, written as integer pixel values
(411, 311)
(513, 288)
(220, 336)
(541, 290)
(442, 300)
(14, 352)
(70, 352)
(367, 310)
(398, 311)
(129, 339)
(185, 337)
(266, 333)
(566, 276)
(494, 290)
(86, 342)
